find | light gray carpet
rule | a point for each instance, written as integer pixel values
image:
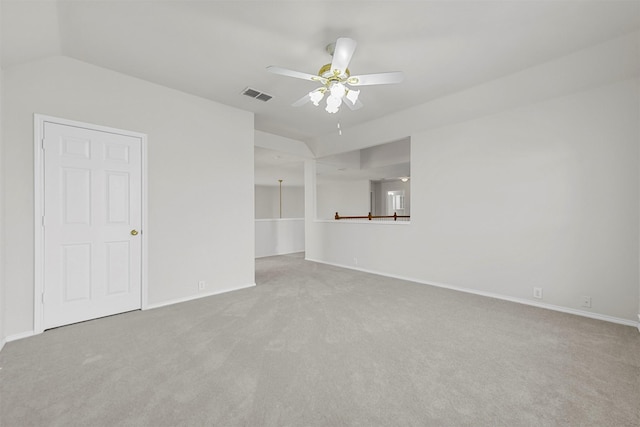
(314, 345)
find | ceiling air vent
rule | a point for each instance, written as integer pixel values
(256, 94)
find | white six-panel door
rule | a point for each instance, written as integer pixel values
(92, 218)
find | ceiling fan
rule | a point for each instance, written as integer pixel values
(336, 79)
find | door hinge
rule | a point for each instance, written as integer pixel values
(43, 220)
(43, 298)
(42, 143)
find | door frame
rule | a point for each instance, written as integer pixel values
(39, 121)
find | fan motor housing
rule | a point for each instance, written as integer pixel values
(330, 75)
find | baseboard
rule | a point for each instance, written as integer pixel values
(196, 296)
(562, 309)
(19, 336)
(148, 307)
(283, 253)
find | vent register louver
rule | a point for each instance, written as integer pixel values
(256, 94)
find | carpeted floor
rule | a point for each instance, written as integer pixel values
(315, 345)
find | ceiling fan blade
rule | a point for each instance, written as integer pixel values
(342, 54)
(296, 74)
(300, 102)
(358, 105)
(376, 79)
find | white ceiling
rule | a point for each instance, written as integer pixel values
(214, 49)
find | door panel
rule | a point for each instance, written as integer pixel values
(76, 272)
(118, 268)
(117, 197)
(92, 201)
(76, 196)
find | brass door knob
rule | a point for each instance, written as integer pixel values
(134, 232)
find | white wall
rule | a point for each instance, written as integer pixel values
(195, 146)
(614, 60)
(601, 65)
(267, 202)
(391, 153)
(541, 195)
(349, 198)
(2, 303)
(282, 144)
(279, 236)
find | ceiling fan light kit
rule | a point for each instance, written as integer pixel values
(336, 79)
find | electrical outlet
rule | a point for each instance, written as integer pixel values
(201, 285)
(586, 301)
(537, 293)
